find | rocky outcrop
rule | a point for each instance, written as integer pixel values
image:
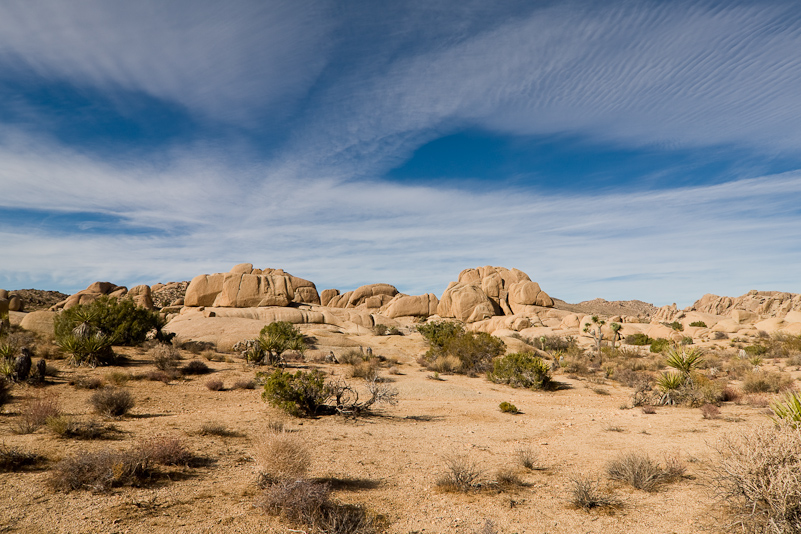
(99, 289)
(372, 296)
(40, 322)
(488, 291)
(762, 303)
(411, 306)
(10, 302)
(245, 287)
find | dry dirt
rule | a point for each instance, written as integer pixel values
(389, 461)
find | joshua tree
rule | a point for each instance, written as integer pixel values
(615, 333)
(594, 329)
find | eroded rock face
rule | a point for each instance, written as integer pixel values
(412, 306)
(488, 291)
(246, 287)
(762, 303)
(372, 296)
(99, 289)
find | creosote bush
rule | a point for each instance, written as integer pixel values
(165, 451)
(474, 350)
(521, 369)
(639, 339)
(101, 470)
(758, 478)
(111, 402)
(300, 394)
(195, 367)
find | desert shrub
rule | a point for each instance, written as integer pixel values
(675, 325)
(638, 339)
(118, 378)
(639, 471)
(710, 411)
(445, 364)
(87, 346)
(394, 331)
(215, 428)
(365, 369)
(721, 335)
(281, 456)
(195, 367)
(120, 320)
(100, 471)
(245, 383)
(700, 324)
(165, 357)
(476, 351)
(35, 412)
(461, 475)
(214, 384)
(526, 458)
(585, 493)
(660, 344)
(300, 394)
(5, 391)
(162, 376)
(351, 357)
(508, 407)
(766, 382)
(686, 340)
(279, 337)
(756, 350)
(730, 394)
(521, 369)
(309, 504)
(380, 329)
(440, 333)
(91, 382)
(111, 402)
(757, 477)
(15, 459)
(507, 479)
(69, 428)
(165, 451)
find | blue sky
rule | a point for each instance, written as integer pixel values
(624, 149)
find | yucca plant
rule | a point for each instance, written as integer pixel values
(684, 360)
(670, 385)
(788, 408)
(7, 350)
(6, 367)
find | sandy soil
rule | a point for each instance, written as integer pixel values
(389, 462)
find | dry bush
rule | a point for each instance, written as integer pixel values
(215, 384)
(527, 458)
(214, 428)
(639, 471)
(166, 357)
(162, 376)
(195, 367)
(118, 378)
(111, 402)
(507, 479)
(245, 383)
(165, 451)
(365, 369)
(35, 412)
(447, 364)
(213, 356)
(351, 357)
(766, 382)
(90, 382)
(730, 394)
(394, 370)
(586, 493)
(14, 459)
(281, 456)
(69, 428)
(100, 471)
(648, 410)
(461, 475)
(710, 411)
(309, 504)
(759, 479)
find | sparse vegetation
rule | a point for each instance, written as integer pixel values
(281, 457)
(67, 427)
(508, 407)
(586, 493)
(460, 476)
(35, 412)
(474, 350)
(521, 369)
(215, 384)
(111, 402)
(101, 470)
(639, 471)
(15, 459)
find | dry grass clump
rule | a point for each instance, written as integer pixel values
(69, 428)
(759, 479)
(14, 459)
(35, 412)
(281, 456)
(215, 428)
(351, 357)
(309, 504)
(710, 411)
(766, 382)
(364, 369)
(245, 383)
(507, 479)
(162, 376)
(585, 493)
(111, 402)
(461, 475)
(195, 367)
(87, 382)
(166, 357)
(215, 384)
(165, 451)
(118, 378)
(101, 470)
(639, 471)
(527, 458)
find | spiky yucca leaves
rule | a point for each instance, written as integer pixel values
(279, 337)
(788, 408)
(670, 384)
(684, 360)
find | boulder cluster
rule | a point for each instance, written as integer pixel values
(10, 302)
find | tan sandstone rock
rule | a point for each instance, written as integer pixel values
(327, 295)
(466, 302)
(141, 296)
(412, 306)
(40, 322)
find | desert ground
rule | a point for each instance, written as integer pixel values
(392, 459)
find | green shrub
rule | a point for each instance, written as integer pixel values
(639, 339)
(700, 324)
(474, 350)
(111, 402)
(279, 337)
(675, 325)
(300, 394)
(508, 407)
(440, 333)
(521, 370)
(756, 350)
(120, 320)
(660, 344)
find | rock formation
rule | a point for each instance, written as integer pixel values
(139, 294)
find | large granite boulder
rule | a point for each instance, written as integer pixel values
(245, 287)
(412, 306)
(90, 294)
(370, 296)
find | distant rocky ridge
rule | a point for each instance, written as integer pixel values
(636, 308)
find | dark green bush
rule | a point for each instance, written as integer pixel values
(660, 344)
(700, 324)
(440, 333)
(300, 394)
(279, 337)
(755, 350)
(118, 319)
(475, 350)
(521, 370)
(508, 407)
(638, 339)
(675, 325)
